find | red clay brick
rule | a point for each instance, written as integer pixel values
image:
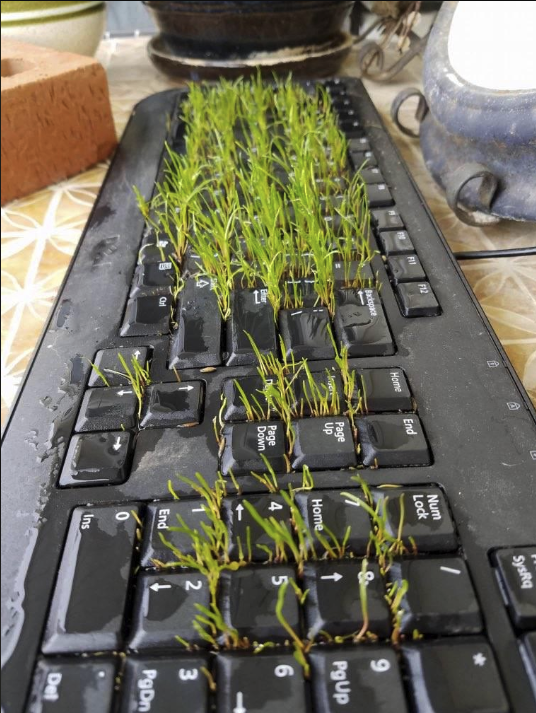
(56, 117)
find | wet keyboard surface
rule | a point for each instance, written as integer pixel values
(234, 534)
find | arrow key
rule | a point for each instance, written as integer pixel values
(107, 409)
(165, 607)
(97, 459)
(334, 603)
(108, 364)
(245, 533)
(267, 683)
(174, 404)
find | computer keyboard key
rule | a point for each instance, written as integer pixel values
(308, 396)
(528, 653)
(154, 250)
(165, 608)
(517, 573)
(360, 323)
(389, 440)
(454, 676)
(333, 604)
(158, 685)
(253, 388)
(358, 678)
(147, 315)
(248, 600)
(371, 175)
(405, 268)
(417, 299)
(108, 409)
(93, 579)
(265, 683)
(248, 444)
(323, 443)
(253, 315)
(440, 599)
(387, 219)
(97, 459)
(173, 404)
(382, 390)
(306, 333)
(353, 272)
(108, 364)
(359, 144)
(65, 686)
(335, 518)
(197, 340)
(378, 195)
(425, 517)
(162, 516)
(396, 242)
(362, 159)
(154, 278)
(246, 537)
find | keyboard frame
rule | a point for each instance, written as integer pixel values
(484, 450)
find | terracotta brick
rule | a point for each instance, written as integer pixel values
(56, 117)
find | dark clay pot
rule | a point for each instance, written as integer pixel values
(224, 30)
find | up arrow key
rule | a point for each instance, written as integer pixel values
(239, 708)
(239, 510)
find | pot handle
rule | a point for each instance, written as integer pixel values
(489, 184)
(420, 112)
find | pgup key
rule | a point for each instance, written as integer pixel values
(270, 683)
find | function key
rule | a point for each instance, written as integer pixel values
(454, 676)
(336, 518)
(382, 390)
(359, 144)
(440, 598)
(154, 278)
(405, 268)
(169, 405)
(417, 299)
(165, 608)
(63, 686)
(248, 602)
(371, 174)
(517, 574)
(157, 684)
(387, 219)
(266, 683)
(306, 333)
(147, 315)
(392, 440)
(108, 364)
(424, 518)
(249, 445)
(97, 459)
(362, 159)
(378, 195)
(108, 409)
(365, 678)
(396, 242)
(161, 520)
(246, 536)
(333, 604)
(323, 443)
(93, 581)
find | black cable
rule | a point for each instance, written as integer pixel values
(484, 254)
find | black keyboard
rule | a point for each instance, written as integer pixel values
(218, 501)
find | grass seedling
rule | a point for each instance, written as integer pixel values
(138, 377)
(301, 648)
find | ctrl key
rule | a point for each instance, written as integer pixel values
(160, 684)
(62, 686)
